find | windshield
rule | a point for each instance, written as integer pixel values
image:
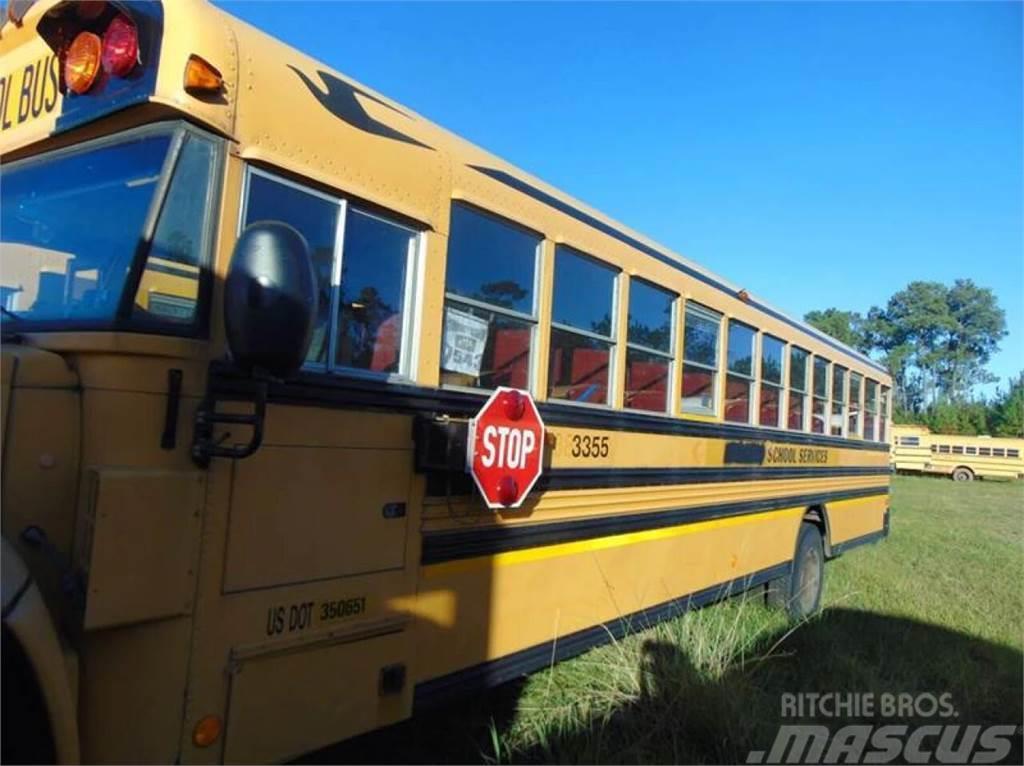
(74, 221)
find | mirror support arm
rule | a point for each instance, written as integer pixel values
(205, 447)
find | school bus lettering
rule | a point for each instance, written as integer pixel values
(29, 92)
(346, 607)
(288, 619)
(795, 455)
(590, 446)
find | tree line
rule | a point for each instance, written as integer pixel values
(936, 341)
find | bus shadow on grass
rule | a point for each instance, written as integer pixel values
(681, 716)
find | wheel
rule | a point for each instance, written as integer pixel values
(799, 592)
(963, 474)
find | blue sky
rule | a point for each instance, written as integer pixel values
(820, 154)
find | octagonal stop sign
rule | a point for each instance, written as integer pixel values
(505, 454)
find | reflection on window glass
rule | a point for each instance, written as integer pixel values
(836, 422)
(584, 297)
(740, 373)
(770, 401)
(579, 368)
(70, 223)
(854, 409)
(316, 219)
(649, 355)
(797, 389)
(821, 377)
(374, 269)
(741, 348)
(169, 288)
(870, 409)
(771, 359)
(650, 316)
(490, 260)
(584, 293)
(647, 379)
(883, 413)
(490, 316)
(700, 354)
(819, 415)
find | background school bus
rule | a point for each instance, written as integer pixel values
(916, 449)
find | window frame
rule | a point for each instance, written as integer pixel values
(858, 430)
(612, 340)
(782, 386)
(704, 312)
(841, 400)
(674, 368)
(411, 291)
(806, 393)
(826, 429)
(532, 319)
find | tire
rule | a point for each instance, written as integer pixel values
(799, 592)
(963, 474)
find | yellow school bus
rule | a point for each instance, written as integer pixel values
(915, 449)
(249, 307)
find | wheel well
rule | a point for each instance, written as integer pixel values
(818, 516)
(24, 708)
(964, 468)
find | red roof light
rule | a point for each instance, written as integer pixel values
(120, 46)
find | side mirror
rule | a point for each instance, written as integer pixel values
(270, 299)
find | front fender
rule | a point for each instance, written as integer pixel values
(26, 617)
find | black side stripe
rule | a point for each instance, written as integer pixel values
(452, 545)
(494, 672)
(583, 217)
(593, 478)
(311, 389)
(856, 542)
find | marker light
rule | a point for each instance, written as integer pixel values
(82, 62)
(201, 76)
(207, 731)
(120, 46)
(514, 404)
(508, 489)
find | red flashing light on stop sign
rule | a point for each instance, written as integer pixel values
(506, 448)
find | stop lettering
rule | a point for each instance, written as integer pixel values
(505, 454)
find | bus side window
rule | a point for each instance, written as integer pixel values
(837, 420)
(1013, 453)
(168, 290)
(984, 452)
(700, 359)
(582, 328)
(377, 266)
(315, 217)
(490, 308)
(819, 413)
(796, 419)
(870, 410)
(997, 452)
(650, 343)
(739, 376)
(773, 368)
(854, 408)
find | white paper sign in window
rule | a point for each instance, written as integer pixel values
(465, 338)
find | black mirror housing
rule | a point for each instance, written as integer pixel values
(270, 299)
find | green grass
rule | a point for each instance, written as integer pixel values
(938, 607)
